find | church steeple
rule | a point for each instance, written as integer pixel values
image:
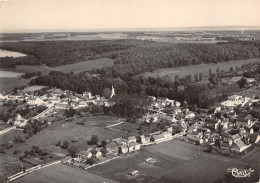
(113, 92)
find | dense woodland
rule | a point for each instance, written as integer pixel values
(55, 53)
(133, 57)
(202, 94)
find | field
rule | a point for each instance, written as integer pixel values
(9, 74)
(85, 65)
(62, 173)
(33, 88)
(8, 84)
(9, 78)
(196, 69)
(118, 171)
(61, 130)
(10, 163)
(31, 68)
(6, 53)
(202, 170)
(251, 92)
(176, 161)
(134, 128)
(200, 166)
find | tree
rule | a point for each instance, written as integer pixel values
(176, 77)
(210, 72)
(218, 115)
(92, 160)
(200, 76)
(107, 93)
(70, 113)
(196, 77)
(73, 151)
(93, 140)
(242, 83)
(58, 143)
(65, 144)
(103, 143)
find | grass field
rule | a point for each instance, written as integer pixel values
(30, 68)
(33, 88)
(117, 169)
(252, 92)
(85, 66)
(177, 161)
(10, 163)
(6, 53)
(61, 130)
(64, 174)
(201, 170)
(196, 69)
(135, 128)
(200, 166)
(7, 84)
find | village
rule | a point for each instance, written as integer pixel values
(227, 128)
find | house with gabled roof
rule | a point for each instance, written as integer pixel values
(212, 123)
(131, 139)
(239, 146)
(144, 139)
(235, 137)
(254, 138)
(133, 146)
(189, 115)
(123, 149)
(112, 148)
(84, 155)
(34, 100)
(96, 153)
(195, 139)
(157, 138)
(167, 134)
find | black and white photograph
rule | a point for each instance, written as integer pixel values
(130, 91)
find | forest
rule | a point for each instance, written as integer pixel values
(131, 56)
(55, 53)
(202, 94)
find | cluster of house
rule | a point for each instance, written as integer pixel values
(227, 130)
(114, 147)
(208, 128)
(124, 145)
(237, 100)
(58, 98)
(55, 99)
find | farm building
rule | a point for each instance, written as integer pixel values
(123, 149)
(157, 138)
(112, 148)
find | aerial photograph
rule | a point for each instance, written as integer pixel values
(130, 91)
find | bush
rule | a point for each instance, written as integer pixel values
(73, 151)
(92, 160)
(103, 143)
(58, 143)
(65, 144)
(93, 140)
(18, 139)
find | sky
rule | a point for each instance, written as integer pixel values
(76, 15)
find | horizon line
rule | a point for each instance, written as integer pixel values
(188, 28)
